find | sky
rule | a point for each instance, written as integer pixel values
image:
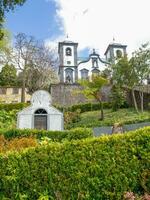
(91, 23)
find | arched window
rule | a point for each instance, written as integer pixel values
(68, 51)
(40, 119)
(84, 73)
(95, 71)
(69, 75)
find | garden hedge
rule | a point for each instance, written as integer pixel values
(84, 107)
(57, 136)
(13, 106)
(92, 169)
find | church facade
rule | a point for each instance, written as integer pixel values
(72, 69)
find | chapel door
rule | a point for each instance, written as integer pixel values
(40, 119)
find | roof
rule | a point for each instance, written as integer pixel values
(114, 45)
(30, 110)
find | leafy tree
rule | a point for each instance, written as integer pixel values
(8, 76)
(5, 47)
(133, 73)
(92, 89)
(140, 62)
(125, 77)
(118, 97)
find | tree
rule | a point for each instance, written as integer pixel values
(133, 73)
(92, 89)
(140, 62)
(118, 97)
(124, 77)
(35, 62)
(5, 47)
(8, 76)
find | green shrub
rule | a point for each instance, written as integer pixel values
(58, 136)
(71, 117)
(16, 144)
(100, 168)
(90, 107)
(13, 106)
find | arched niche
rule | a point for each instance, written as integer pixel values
(40, 119)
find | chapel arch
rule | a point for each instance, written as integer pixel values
(40, 119)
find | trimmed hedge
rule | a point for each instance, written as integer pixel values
(13, 106)
(100, 168)
(90, 107)
(83, 107)
(57, 136)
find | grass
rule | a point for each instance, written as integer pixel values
(124, 116)
(89, 119)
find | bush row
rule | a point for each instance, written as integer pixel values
(90, 107)
(95, 168)
(58, 136)
(83, 107)
(13, 106)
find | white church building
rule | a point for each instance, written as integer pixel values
(71, 68)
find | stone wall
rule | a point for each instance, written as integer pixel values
(68, 94)
(12, 95)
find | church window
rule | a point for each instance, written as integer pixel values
(95, 71)
(119, 53)
(84, 74)
(68, 51)
(68, 62)
(69, 75)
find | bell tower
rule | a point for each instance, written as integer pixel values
(115, 51)
(68, 71)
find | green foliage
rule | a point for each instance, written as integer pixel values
(92, 89)
(8, 76)
(8, 119)
(6, 6)
(123, 116)
(98, 168)
(4, 41)
(13, 106)
(124, 74)
(71, 117)
(8, 114)
(89, 107)
(57, 136)
(117, 98)
(84, 107)
(140, 63)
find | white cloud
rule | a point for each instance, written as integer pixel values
(94, 23)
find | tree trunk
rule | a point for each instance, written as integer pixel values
(23, 88)
(141, 99)
(102, 111)
(134, 100)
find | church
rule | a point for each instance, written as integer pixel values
(72, 69)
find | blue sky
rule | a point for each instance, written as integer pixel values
(35, 17)
(91, 23)
(39, 19)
